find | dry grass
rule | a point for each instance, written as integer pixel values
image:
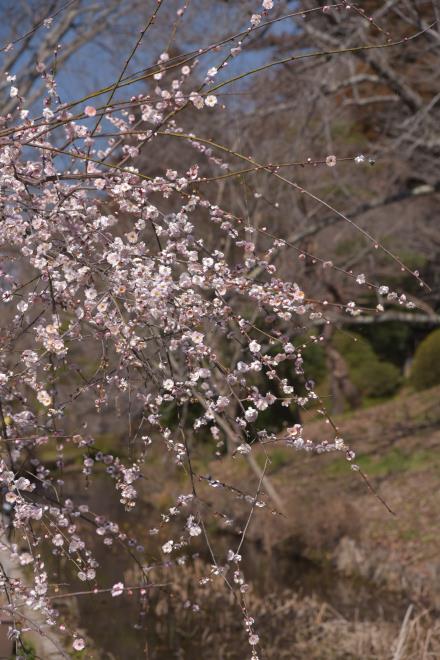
(290, 627)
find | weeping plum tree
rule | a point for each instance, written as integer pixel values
(140, 301)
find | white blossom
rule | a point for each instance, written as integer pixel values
(168, 546)
(117, 589)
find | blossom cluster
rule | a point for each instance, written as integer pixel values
(116, 298)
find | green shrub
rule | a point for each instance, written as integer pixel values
(426, 367)
(376, 379)
(391, 341)
(353, 347)
(373, 377)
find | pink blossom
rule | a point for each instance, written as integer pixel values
(90, 111)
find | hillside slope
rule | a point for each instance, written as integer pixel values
(332, 515)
